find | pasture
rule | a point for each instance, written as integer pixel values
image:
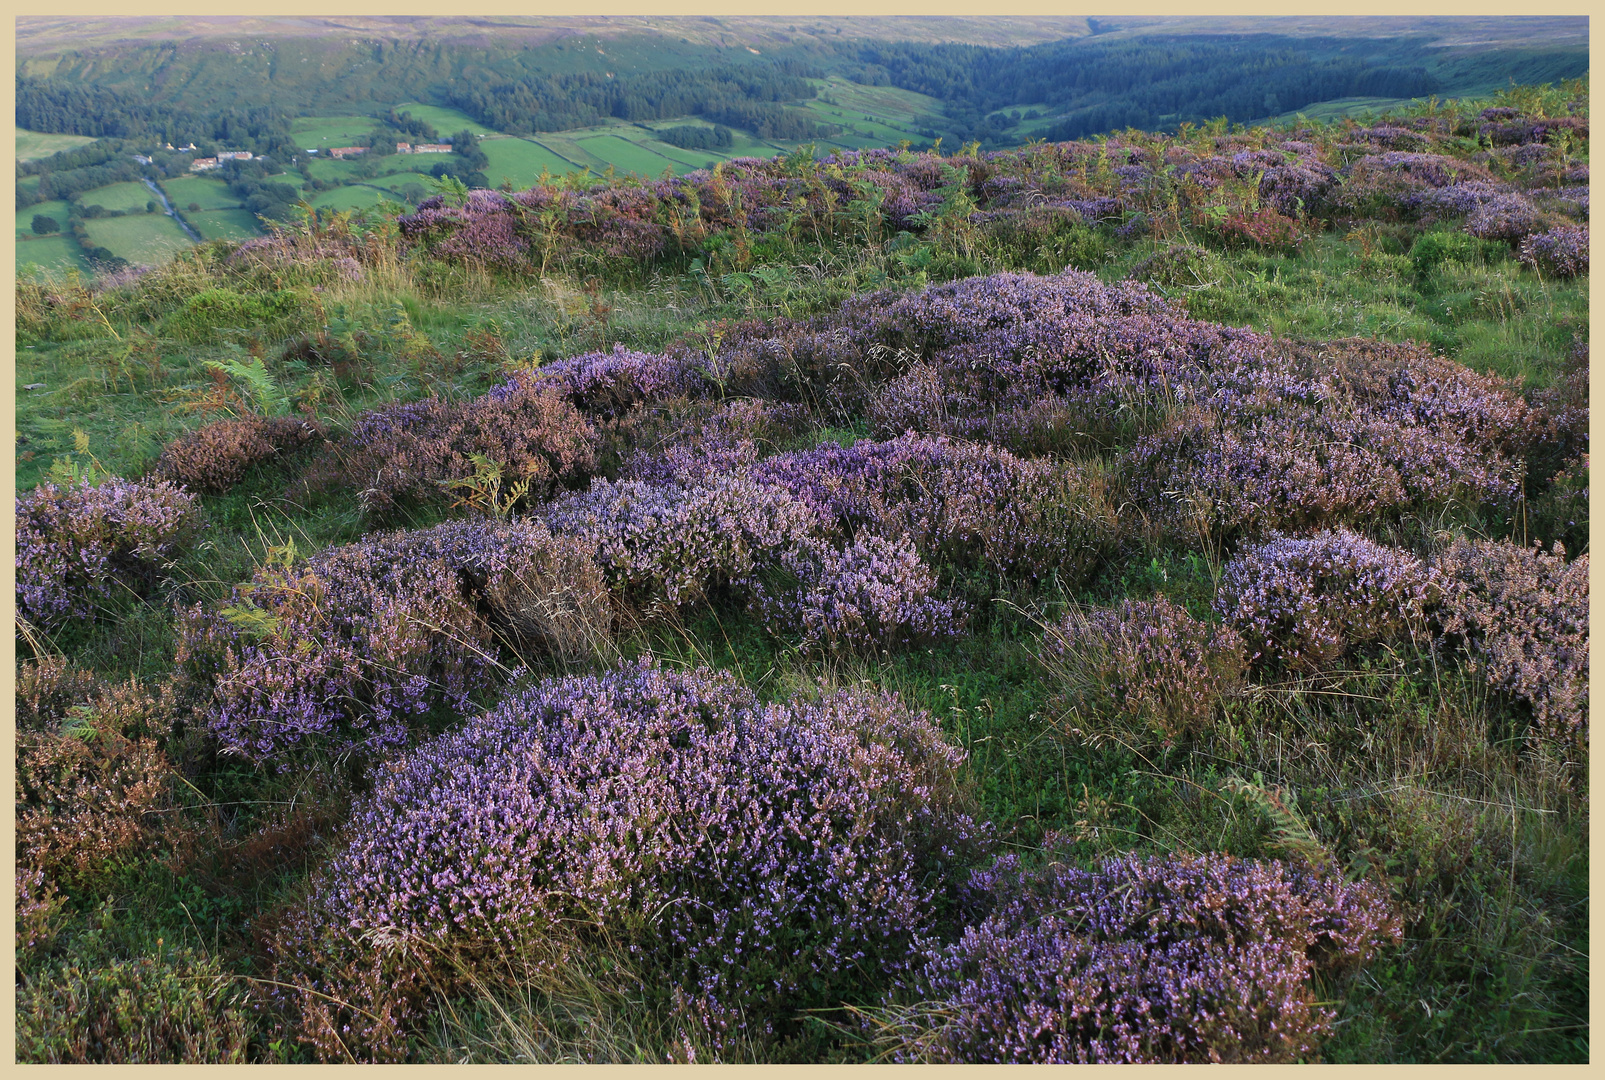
(226, 224)
(38, 144)
(207, 192)
(145, 239)
(129, 196)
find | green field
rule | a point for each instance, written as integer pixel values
(54, 254)
(37, 144)
(627, 156)
(224, 224)
(129, 195)
(331, 171)
(350, 197)
(147, 239)
(446, 121)
(207, 192)
(322, 132)
(520, 161)
(55, 209)
(1339, 108)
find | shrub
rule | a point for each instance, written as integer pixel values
(94, 787)
(345, 648)
(1179, 266)
(875, 594)
(1504, 217)
(1283, 436)
(531, 435)
(177, 1007)
(1164, 959)
(672, 545)
(75, 543)
(210, 310)
(968, 509)
(1525, 614)
(1560, 253)
(1305, 602)
(214, 458)
(755, 860)
(1144, 668)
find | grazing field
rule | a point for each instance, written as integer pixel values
(331, 171)
(322, 132)
(209, 193)
(36, 144)
(236, 224)
(145, 239)
(446, 121)
(56, 209)
(520, 160)
(54, 254)
(350, 197)
(130, 195)
(625, 155)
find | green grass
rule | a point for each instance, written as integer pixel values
(350, 197)
(56, 208)
(520, 160)
(233, 224)
(147, 239)
(322, 132)
(129, 195)
(331, 171)
(446, 121)
(53, 254)
(37, 144)
(626, 156)
(208, 192)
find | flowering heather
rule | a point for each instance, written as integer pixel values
(1305, 602)
(609, 384)
(710, 444)
(1145, 667)
(530, 432)
(1504, 217)
(1559, 253)
(1282, 436)
(672, 544)
(214, 458)
(875, 594)
(1165, 959)
(346, 648)
(755, 860)
(965, 507)
(75, 544)
(1525, 614)
(484, 230)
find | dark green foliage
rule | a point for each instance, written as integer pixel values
(43, 225)
(694, 137)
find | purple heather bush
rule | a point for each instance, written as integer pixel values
(1307, 601)
(1158, 960)
(1282, 436)
(965, 507)
(1525, 615)
(215, 457)
(1558, 253)
(873, 595)
(1505, 217)
(1143, 670)
(672, 545)
(343, 650)
(755, 860)
(530, 432)
(77, 543)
